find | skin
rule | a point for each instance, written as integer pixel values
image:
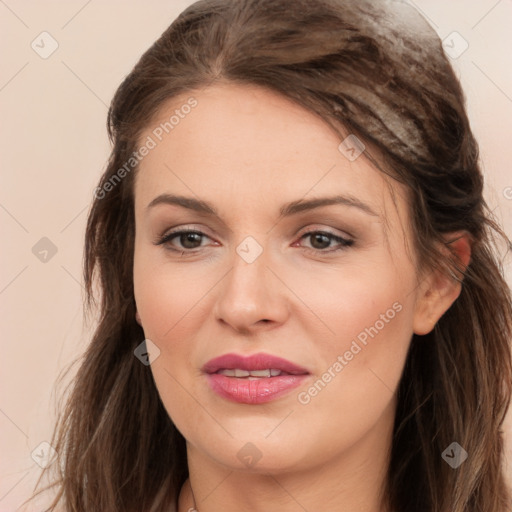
(247, 151)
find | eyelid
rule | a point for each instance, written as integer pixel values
(325, 229)
(185, 227)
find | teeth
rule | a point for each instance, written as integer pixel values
(251, 374)
(227, 373)
(260, 373)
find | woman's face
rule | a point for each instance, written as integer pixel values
(331, 288)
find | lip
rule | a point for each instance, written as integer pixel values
(257, 391)
(260, 361)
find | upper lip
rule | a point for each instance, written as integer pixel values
(260, 361)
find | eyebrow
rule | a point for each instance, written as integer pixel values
(286, 210)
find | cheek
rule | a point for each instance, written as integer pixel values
(171, 302)
(166, 296)
(167, 304)
(356, 384)
(357, 302)
(369, 316)
(371, 342)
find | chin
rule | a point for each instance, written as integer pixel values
(257, 454)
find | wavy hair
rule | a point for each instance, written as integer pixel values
(377, 70)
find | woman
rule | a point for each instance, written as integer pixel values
(302, 306)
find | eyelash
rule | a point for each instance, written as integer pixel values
(344, 242)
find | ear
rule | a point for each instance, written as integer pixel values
(137, 317)
(438, 291)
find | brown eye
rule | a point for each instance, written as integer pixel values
(190, 240)
(187, 240)
(322, 240)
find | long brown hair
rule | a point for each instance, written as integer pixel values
(379, 71)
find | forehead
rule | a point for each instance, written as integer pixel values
(246, 145)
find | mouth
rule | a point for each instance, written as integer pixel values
(251, 374)
(255, 365)
(254, 379)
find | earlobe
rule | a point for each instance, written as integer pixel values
(137, 318)
(439, 290)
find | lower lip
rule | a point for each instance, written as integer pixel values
(258, 391)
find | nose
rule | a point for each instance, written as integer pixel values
(251, 297)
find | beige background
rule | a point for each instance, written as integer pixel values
(54, 147)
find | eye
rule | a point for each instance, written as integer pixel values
(188, 240)
(322, 240)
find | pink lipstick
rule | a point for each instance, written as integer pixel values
(254, 379)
